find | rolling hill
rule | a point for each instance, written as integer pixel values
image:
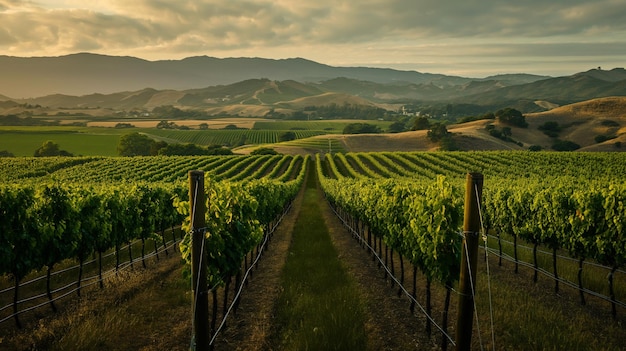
(255, 97)
(85, 73)
(581, 123)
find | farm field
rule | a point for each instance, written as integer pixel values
(542, 210)
(101, 138)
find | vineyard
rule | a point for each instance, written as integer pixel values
(573, 206)
(561, 214)
(58, 209)
(228, 137)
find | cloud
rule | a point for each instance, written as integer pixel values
(171, 28)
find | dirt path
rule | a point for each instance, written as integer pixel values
(390, 325)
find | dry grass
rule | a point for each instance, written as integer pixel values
(142, 309)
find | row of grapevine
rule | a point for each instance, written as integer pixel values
(42, 225)
(496, 164)
(420, 220)
(88, 170)
(237, 216)
(566, 202)
(230, 137)
(589, 222)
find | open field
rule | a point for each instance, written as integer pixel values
(24, 142)
(100, 138)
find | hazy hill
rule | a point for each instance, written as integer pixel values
(80, 74)
(281, 85)
(561, 90)
(84, 73)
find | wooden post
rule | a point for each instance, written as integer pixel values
(469, 255)
(200, 308)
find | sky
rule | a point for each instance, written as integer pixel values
(471, 38)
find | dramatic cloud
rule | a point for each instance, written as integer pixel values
(527, 34)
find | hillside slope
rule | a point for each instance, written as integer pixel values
(580, 122)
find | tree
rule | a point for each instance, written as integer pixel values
(287, 136)
(511, 117)
(166, 125)
(264, 151)
(421, 123)
(507, 132)
(565, 145)
(50, 148)
(397, 127)
(183, 150)
(6, 153)
(135, 144)
(360, 128)
(156, 147)
(437, 132)
(447, 143)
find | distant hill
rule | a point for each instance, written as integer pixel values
(85, 73)
(254, 86)
(562, 90)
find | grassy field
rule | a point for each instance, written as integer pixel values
(319, 308)
(85, 142)
(102, 141)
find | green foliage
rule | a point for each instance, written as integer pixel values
(236, 216)
(551, 129)
(421, 123)
(361, 128)
(447, 143)
(135, 144)
(166, 125)
(467, 119)
(287, 136)
(264, 151)
(565, 145)
(420, 220)
(511, 117)
(397, 127)
(602, 138)
(14, 120)
(50, 148)
(437, 132)
(192, 150)
(6, 153)
(535, 148)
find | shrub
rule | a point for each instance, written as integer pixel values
(264, 151)
(550, 129)
(360, 128)
(565, 145)
(602, 138)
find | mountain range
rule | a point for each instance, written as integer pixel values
(252, 86)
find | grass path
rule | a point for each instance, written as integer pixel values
(319, 307)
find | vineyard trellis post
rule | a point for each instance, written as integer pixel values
(469, 257)
(200, 309)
